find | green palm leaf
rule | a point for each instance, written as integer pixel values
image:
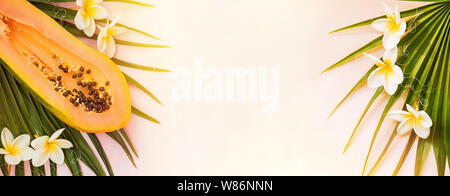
(424, 58)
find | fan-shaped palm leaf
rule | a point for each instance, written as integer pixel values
(424, 59)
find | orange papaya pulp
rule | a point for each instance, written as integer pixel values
(78, 84)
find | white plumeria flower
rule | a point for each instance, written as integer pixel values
(392, 26)
(387, 74)
(413, 119)
(89, 11)
(105, 40)
(46, 148)
(15, 150)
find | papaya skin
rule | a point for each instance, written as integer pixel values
(35, 47)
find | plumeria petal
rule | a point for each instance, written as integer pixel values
(7, 137)
(397, 76)
(27, 153)
(402, 29)
(390, 56)
(101, 41)
(13, 159)
(80, 2)
(101, 28)
(390, 86)
(22, 141)
(81, 20)
(412, 110)
(97, 1)
(405, 127)
(387, 10)
(397, 15)
(87, 14)
(380, 25)
(57, 156)
(105, 41)
(98, 12)
(50, 148)
(114, 22)
(376, 60)
(107, 25)
(40, 143)
(3, 151)
(426, 120)
(399, 115)
(90, 30)
(62, 143)
(420, 122)
(390, 40)
(376, 78)
(56, 135)
(40, 158)
(421, 131)
(110, 47)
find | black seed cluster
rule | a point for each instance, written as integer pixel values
(95, 100)
(92, 102)
(89, 95)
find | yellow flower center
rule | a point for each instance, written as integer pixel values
(386, 66)
(392, 25)
(110, 32)
(87, 7)
(416, 119)
(51, 146)
(12, 150)
(412, 118)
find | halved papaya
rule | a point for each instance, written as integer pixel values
(78, 84)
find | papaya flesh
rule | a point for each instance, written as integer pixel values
(78, 84)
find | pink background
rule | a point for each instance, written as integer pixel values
(237, 139)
